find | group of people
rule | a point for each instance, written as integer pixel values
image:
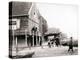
(56, 42)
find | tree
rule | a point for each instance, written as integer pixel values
(63, 36)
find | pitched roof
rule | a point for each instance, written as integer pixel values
(19, 8)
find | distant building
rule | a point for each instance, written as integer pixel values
(43, 26)
(25, 23)
(52, 33)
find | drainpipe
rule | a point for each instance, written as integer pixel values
(16, 48)
(36, 38)
(26, 37)
(33, 38)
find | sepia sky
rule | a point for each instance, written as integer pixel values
(64, 17)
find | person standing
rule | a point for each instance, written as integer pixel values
(40, 42)
(70, 45)
(49, 44)
(57, 41)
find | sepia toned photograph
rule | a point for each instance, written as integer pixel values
(42, 29)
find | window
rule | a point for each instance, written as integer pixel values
(12, 22)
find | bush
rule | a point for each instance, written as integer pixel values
(65, 43)
(75, 43)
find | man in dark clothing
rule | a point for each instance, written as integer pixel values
(40, 42)
(70, 44)
(57, 41)
(49, 44)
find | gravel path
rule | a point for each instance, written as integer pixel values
(54, 51)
